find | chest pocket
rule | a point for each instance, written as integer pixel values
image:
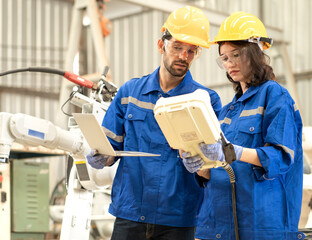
(135, 114)
(135, 119)
(250, 132)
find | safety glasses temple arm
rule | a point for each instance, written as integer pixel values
(267, 40)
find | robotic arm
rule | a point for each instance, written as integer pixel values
(32, 131)
(83, 180)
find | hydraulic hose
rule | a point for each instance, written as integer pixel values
(68, 75)
(34, 69)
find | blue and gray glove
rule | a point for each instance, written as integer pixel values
(97, 160)
(215, 152)
(192, 164)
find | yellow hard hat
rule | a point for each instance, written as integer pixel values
(243, 26)
(190, 25)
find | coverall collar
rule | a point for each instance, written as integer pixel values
(251, 91)
(153, 84)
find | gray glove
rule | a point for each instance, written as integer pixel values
(96, 160)
(214, 151)
(192, 164)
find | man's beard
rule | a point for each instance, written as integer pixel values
(176, 72)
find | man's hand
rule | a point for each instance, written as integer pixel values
(214, 151)
(96, 160)
(192, 164)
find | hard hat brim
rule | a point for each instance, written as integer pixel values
(188, 39)
(191, 40)
(265, 45)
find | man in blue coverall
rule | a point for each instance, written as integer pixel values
(156, 197)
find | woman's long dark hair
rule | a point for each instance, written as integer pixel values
(260, 69)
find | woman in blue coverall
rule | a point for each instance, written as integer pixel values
(265, 128)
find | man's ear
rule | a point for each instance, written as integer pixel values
(160, 45)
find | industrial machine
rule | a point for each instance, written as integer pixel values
(85, 185)
(83, 180)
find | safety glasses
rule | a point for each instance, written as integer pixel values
(234, 57)
(178, 48)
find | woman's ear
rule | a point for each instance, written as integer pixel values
(160, 45)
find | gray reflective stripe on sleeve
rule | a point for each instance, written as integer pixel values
(146, 105)
(113, 135)
(295, 107)
(226, 121)
(246, 113)
(288, 150)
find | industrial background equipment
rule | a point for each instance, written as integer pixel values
(31, 218)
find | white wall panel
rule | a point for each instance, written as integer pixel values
(132, 46)
(38, 105)
(32, 33)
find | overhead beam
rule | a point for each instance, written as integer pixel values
(215, 17)
(168, 6)
(120, 9)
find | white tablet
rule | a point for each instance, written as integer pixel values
(97, 139)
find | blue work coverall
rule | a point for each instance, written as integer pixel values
(269, 197)
(155, 190)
